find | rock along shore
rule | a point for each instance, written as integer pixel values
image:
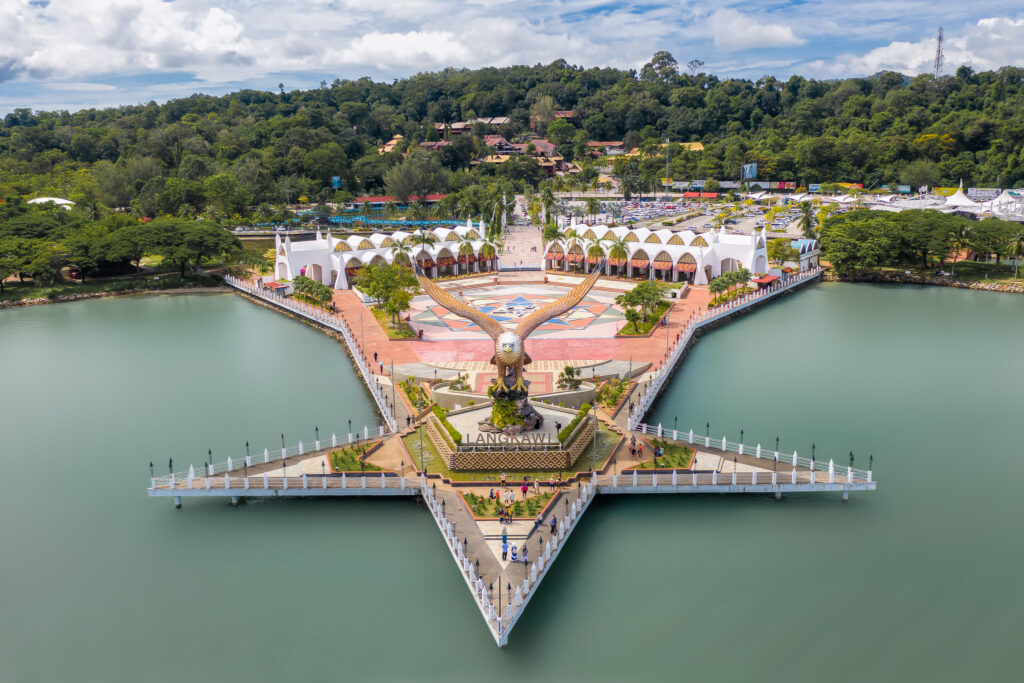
(934, 280)
(99, 295)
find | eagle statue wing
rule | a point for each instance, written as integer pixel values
(559, 305)
(460, 308)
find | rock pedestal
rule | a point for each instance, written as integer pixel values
(531, 420)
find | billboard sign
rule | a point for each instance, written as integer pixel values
(749, 171)
(762, 184)
(335, 181)
(904, 189)
(982, 193)
(697, 184)
(814, 187)
(729, 184)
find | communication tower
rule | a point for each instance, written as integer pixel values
(937, 68)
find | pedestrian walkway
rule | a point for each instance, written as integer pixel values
(523, 248)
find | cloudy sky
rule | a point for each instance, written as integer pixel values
(72, 54)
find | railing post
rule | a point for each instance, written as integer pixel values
(383, 483)
(227, 485)
(794, 475)
(691, 436)
(634, 477)
(753, 478)
(344, 484)
(714, 477)
(246, 483)
(734, 477)
(675, 481)
(305, 484)
(334, 440)
(654, 480)
(363, 479)
(266, 481)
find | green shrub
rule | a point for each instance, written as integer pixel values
(504, 414)
(442, 415)
(568, 429)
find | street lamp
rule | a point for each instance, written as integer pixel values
(776, 444)
(170, 465)
(707, 429)
(317, 430)
(150, 469)
(741, 436)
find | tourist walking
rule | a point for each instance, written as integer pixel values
(537, 522)
(551, 482)
(536, 487)
(504, 551)
(526, 551)
(524, 488)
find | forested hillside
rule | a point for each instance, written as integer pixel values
(219, 157)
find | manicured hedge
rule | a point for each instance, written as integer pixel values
(442, 415)
(567, 430)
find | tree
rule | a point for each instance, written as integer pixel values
(918, 173)
(716, 287)
(595, 250)
(618, 249)
(1016, 249)
(593, 207)
(662, 68)
(960, 241)
(807, 222)
(401, 252)
(379, 282)
(781, 250)
(569, 378)
(632, 317)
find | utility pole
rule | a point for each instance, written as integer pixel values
(937, 67)
(666, 166)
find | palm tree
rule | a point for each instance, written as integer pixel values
(807, 222)
(547, 199)
(465, 248)
(550, 233)
(488, 250)
(618, 249)
(401, 252)
(1017, 249)
(593, 207)
(716, 287)
(422, 237)
(595, 250)
(959, 240)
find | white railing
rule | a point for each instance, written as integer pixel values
(523, 591)
(234, 484)
(832, 470)
(327, 319)
(655, 384)
(268, 455)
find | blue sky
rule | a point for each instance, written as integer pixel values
(71, 54)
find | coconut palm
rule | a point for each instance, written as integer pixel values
(488, 250)
(959, 240)
(595, 249)
(808, 224)
(547, 199)
(1017, 249)
(465, 249)
(401, 252)
(618, 249)
(550, 233)
(593, 207)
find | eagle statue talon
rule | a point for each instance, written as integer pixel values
(500, 385)
(519, 384)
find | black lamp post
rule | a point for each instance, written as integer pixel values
(871, 462)
(282, 440)
(812, 451)
(150, 469)
(675, 423)
(851, 458)
(707, 429)
(317, 430)
(741, 436)
(247, 452)
(209, 456)
(776, 444)
(170, 465)
(350, 425)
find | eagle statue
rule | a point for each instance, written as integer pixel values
(509, 345)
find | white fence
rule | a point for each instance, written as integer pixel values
(833, 472)
(500, 626)
(327, 319)
(643, 403)
(268, 455)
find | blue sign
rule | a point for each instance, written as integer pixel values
(904, 189)
(749, 171)
(697, 184)
(814, 187)
(335, 181)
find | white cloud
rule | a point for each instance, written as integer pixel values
(732, 30)
(989, 44)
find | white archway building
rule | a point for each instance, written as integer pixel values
(335, 261)
(662, 254)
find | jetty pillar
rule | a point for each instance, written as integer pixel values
(177, 502)
(846, 495)
(778, 495)
(234, 501)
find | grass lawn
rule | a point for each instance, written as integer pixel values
(16, 291)
(606, 440)
(402, 331)
(347, 460)
(485, 507)
(676, 456)
(652, 320)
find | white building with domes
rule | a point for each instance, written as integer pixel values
(335, 261)
(662, 254)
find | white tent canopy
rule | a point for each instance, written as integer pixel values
(959, 199)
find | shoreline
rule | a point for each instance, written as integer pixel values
(886, 277)
(65, 298)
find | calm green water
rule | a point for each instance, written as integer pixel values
(916, 581)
